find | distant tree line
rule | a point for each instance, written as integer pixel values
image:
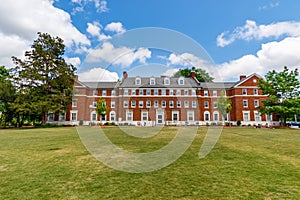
(39, 84)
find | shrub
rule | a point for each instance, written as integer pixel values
(238, 122)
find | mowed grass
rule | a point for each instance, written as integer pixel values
(246, 163)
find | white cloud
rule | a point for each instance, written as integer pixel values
(122, 56)
(95, 30)
(272, 55)
(269, 6)
(100, 5)
(170, 72)
(75, 61)
(115, 27)
(98, 74)
(251, 31)
(20, 26)
(187, 60)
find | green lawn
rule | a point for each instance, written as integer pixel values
(246, 163)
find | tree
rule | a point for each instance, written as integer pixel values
(224, 105)
(7, 97)
(201, 74)
(44, 80)
(283, 90)
(101, 108)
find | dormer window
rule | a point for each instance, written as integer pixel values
(166, 81)
(138, 81)
(152, 81)
(181, 81)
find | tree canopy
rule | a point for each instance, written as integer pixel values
(43, 79)
(101, 107)
(283, 89)
(201, 74)
(224, 105)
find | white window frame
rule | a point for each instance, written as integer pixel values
(71, 115)
(125, 92)
(215, 103)
(113, 93)
(163, 92)
(206, 104)
(178, 104)
(141, 104)
(194, 104)
(255, 91)
(256, 103)
(186, 92)
(166, 81)
(215, 93)
(129, 115)
(155, 92)
(133, 103)
(186, 104)
(74, 103)
(95, 92)
(205, 93)
(112, 104)
(146, 115)
(190, 113)
(148, 92)
(152, 81)
(173, 113)
(133, 92)
(245, 103)
(93, 114)
(141, 92)
(216, 113)
(112, 113)
(156, 104)
(148, 104)
(171, 104)
(104, 93)
(138, 81)
(206, 113)
(257, 116)
(244, 91)
(244, 116)
(125, 104)
(163, 103)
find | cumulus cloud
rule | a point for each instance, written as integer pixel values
(272, 55)
(170, 72)
(100, 5)
(98, 74)
(252, 31)
(115, 27)
(122, 56)
(94, 29)
(187, 60)
(75, 61)
(20, 26)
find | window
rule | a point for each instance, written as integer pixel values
(133, 104)
(141, 104)
(269, 117)
(112, 116)
(74, 103)
(224, 92)
(181, 81)
(103, 117)
(93, 116)
(155, 104)
(245, 103)
(175, 115)
(129, 115)
(113, 93)
(206, 93)
(132, 91)
(138, 81)
(103, 92)
(246, 116)
(163, 104)
(216, 116)
(178, 104)
(256, 103)
(75, 91)
(94, 104)
(194, 104)
(255, 91)
(62, 116)
(206, 104)
(152, 81)
(206, 116)
(148, 104)
(155, 92)
(215, 93)
(186, 104)
(166, 81)
(171, 104)
(178, 92)
(95, 92)
(163, 92)
(73, 115)
(141, 92)
(125, 104)
(126, 92)
(215, 104)
(50, 116)
(193, 92)
(244, 91)
(257, 116)
(171, 92)
(190, 115)
(113, 104)
(148, 92)
(144, 116)
(186, 92)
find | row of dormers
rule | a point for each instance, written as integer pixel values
(152, 81)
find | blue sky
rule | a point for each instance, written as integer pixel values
(241, 37)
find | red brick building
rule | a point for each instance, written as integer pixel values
(163, 100)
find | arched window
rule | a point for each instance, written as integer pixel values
(206, 116)
(93, 116)
(112, 116)
(216, 116)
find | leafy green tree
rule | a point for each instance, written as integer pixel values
(7, 97)
(224, 105)
(101, 108)
(283, 89)
(201, 74)
(43, 79)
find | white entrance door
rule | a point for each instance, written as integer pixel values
(160, 118)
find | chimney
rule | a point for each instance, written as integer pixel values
(242, 77)
(193, 74)
(125, 75)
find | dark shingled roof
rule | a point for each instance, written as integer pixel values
(159, 82)
(217, 85)
(104, 85)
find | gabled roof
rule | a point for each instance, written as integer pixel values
(217, 85)
(159, 82)
(246, 79)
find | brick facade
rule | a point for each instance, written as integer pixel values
(164, 100)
